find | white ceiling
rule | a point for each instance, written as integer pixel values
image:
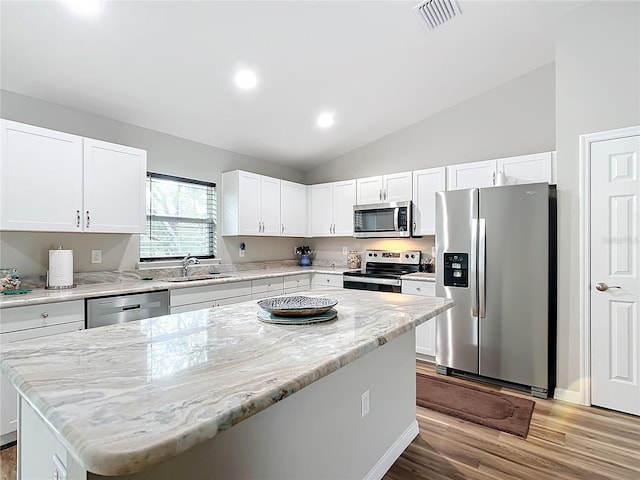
(169, 66)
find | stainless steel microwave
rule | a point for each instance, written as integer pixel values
(382, 220)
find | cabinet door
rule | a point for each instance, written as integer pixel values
(425, 333)
(40, 179)
(293, 209)
(425, 185)
(526, 168)
(9, 396)
(471, 175)
(369, 190)
(114, 188)
(321, 210)
(270, 206)
(249, 215)
(397, 187)
(344, 195)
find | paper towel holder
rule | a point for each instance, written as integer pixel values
(57, 287)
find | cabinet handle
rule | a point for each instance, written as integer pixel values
(380, 194)
(493, 178)
(415, 227)
(44, 315)
(78, 218)
(384, 194)
(88, 219)
(283, 228)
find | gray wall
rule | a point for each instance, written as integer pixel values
(597, 88)
(516, 118)
(165, 154)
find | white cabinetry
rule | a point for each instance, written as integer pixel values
(297, 283)
(28, 322)
(266, 287)
(251, 204)
(82, 184)
(326, 280)
(425, 185)
(425, 333)
(386, 188)
(331, 208)
(293, 209)
(532, 168)
(209, 296)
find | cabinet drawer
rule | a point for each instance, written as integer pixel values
(297, 282)
(265, 285)
(413, 287)
(323, 280)
(208, 293)
(45, 315)
(211, 304)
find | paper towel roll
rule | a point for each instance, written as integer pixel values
(60, 268)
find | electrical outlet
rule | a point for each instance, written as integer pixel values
(345, 250)
(96, 256)
(295, 250)
(365, 403)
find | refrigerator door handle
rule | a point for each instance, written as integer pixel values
(473, 268)
(482, 263)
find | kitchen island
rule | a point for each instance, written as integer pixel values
(218, 394)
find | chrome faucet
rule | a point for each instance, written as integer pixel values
(186, 261)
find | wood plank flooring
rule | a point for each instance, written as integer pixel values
(565, 441)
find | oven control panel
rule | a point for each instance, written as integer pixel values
(388, 256)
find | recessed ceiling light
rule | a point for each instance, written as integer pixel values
(325, 120)
(246, 79)
(85, 7)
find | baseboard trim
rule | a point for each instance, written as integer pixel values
(567, 395)
(390, 456)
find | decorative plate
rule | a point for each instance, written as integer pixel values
(267, 317)
(297, 306)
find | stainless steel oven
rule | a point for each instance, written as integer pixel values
(382, 270)
(382, 220)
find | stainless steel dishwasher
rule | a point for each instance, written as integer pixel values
(126, 308)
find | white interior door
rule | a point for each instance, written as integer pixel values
(615, 265)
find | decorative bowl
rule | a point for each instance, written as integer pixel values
(297, 306)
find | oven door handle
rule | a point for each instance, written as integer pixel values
(396, 282)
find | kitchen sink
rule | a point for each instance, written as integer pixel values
(210, 276)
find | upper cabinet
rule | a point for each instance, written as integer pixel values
(331, 209)
(293, 209)
(57, 182)
(251, 204)
(505, 171)
(386, 188)
(425, 185)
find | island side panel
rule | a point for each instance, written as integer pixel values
(317, 432)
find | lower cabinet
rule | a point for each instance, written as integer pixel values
(425, 333)
(208, 296)
(297, 283)
(326, 280)
(25, 323)
(266, 287)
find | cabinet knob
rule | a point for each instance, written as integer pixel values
(44, 315)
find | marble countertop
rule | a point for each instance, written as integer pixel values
(126, 285)
(125, 397)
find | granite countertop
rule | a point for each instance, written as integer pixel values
(116, 285)
(128, 396)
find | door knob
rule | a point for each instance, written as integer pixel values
(603, 287)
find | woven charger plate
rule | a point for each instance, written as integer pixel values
(297, 306)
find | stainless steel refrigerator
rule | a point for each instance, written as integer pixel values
(496, 259)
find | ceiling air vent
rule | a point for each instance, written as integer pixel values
(437, 12)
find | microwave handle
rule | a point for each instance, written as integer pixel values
(396, 214)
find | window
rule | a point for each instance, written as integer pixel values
(181, 218)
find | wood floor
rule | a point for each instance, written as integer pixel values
(565, 441)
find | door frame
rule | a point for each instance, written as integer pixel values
(585, 250)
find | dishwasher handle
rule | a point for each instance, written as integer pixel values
(131, 307)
